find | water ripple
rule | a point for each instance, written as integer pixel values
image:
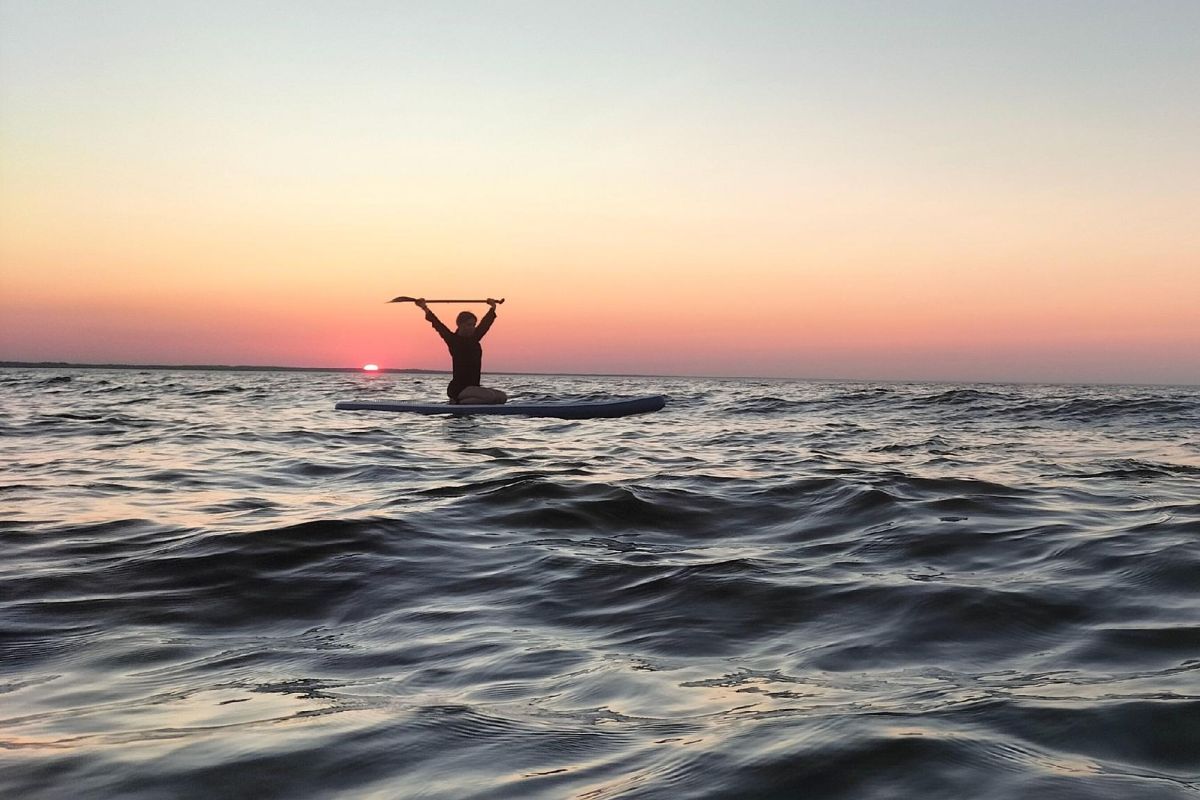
(215, 585)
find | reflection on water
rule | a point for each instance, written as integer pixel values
(215, 585)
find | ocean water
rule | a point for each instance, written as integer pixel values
(214, 585)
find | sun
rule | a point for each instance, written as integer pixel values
(370, 368)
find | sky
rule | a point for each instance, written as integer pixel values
(969, 191)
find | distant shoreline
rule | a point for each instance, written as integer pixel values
(196, 367)
(381, 370)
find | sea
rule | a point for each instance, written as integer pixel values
(214, 585)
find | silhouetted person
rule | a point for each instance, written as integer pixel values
(466, 354)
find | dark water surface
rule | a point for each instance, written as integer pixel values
(213, 585)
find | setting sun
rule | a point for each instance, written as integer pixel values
(370, 368)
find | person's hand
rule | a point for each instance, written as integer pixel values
(493, 302)
(421, 304)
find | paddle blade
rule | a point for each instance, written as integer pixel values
(403, 299)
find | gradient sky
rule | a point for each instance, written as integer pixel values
(893, 190)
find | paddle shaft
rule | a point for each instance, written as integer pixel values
(413, 300)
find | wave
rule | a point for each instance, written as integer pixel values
(771, 589)
(1104, 410)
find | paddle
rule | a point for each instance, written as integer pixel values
(403, 299)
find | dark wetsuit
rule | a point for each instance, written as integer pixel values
(465, 352)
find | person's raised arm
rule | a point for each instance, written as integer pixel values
(485, 324)
(438, 325)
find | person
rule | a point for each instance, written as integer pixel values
(467, 355)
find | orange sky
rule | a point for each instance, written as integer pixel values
(725, 202)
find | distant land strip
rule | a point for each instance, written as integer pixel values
(249, 368)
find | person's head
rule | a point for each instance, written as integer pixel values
(466, 322)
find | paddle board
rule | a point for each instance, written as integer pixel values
(584, 409)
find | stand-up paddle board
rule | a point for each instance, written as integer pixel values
(585, 409)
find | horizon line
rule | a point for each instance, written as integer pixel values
(423, 371)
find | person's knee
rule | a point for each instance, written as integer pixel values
(492, 395)
(479, 395)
